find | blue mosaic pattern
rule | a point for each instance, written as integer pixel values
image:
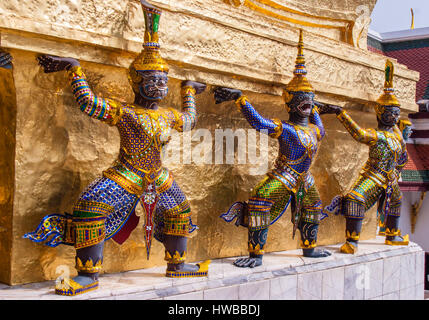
(170, 199)
(298, 144)
(107, 191)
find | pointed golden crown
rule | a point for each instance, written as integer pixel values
(299, 82)
(388, 97)
(149, 58)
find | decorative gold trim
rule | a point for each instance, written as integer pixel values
(69, 287)
(255, 249)
(283, 15)
(123, 181)
(404, 242)
(269, 13)
(178, 121)
(348, 248)
(88, 267)
(299, 81)
(388, 97)
(403, 123)
(241, 102)
(116, 112)
(415, 209)
(201, 272)
(176, 258)
(76, 70)
(278, 129)
(353, 236)
(187, 90)
(393, 232)
(308, 245)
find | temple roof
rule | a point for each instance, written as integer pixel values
(415, 175)
(409, 47)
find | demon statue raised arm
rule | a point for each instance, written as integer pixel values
(290, 181)
(378, 179)
(106, 208)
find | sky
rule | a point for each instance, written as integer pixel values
(395, 15)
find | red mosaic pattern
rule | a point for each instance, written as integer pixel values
(418, 157)
(418, 60)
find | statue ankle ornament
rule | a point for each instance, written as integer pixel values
(351, 244)
(176, 266)
(391, 234)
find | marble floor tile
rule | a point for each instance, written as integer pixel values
(391, 275)
(391, 296)
(284, 288)
(420, 291)
(376, 271)
(408, 293)
(420, 267)
(310, 286)
(187, 296)
(259, 290)
(355, 279)
(333, 284)
(408, 271)
(375, 285)
(222, 293)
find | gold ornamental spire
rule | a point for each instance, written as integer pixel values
(299, 82)
(388, 97)
(149, 58)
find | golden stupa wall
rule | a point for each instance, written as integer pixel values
(50, 151)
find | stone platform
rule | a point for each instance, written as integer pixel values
(376, 272)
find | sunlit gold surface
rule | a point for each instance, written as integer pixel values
(220, 44)
(7, 169)
(59, 150)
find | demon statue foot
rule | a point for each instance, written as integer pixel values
(397, 240)
(77, 285)
(393, 234)
(175, 255)
(316, 253)
(183, 270)
(349, 247)
(249, 262)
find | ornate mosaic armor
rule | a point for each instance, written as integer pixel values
(290, 181)
(143, 134)
(297, 147)
(105, 209)
(387, 155)
(378, 179)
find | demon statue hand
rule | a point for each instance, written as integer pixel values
(5, 60)
(106, 208)
(290, 181)
(378, 180)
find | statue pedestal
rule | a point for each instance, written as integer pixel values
(376, 272)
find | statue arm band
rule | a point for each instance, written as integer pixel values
(364, 136)
(96, 107)
(278, 130)
(186, 120)
(259, 123)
